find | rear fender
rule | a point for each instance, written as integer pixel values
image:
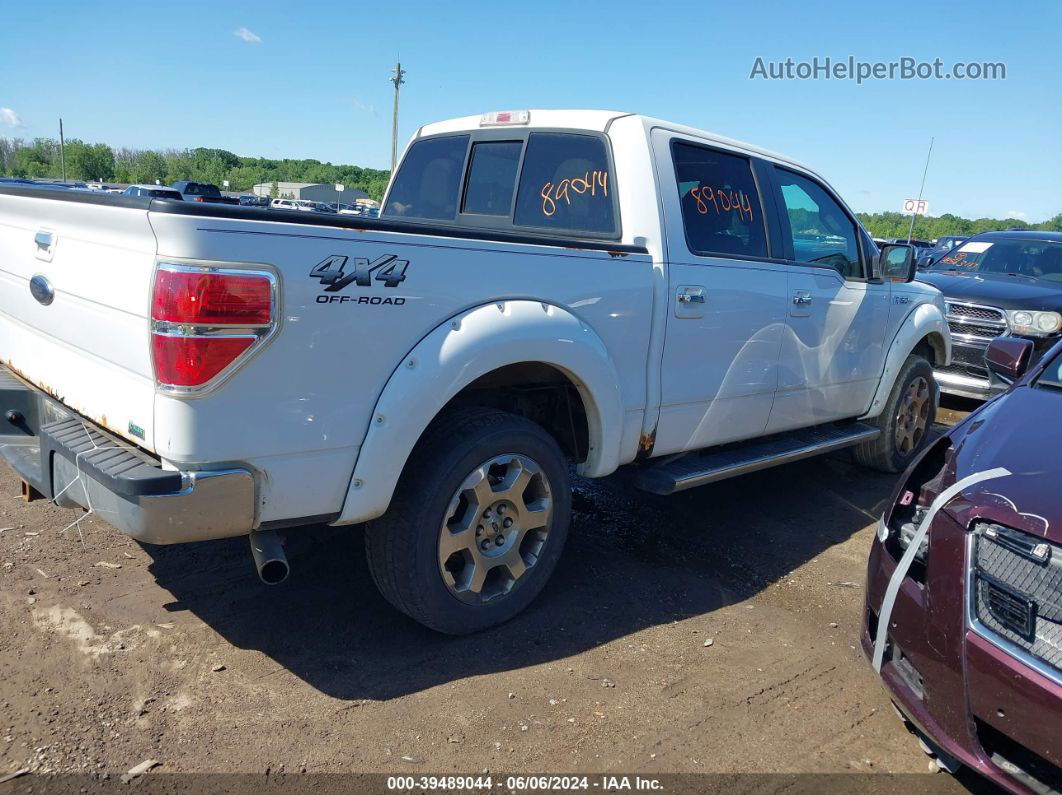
(454, 355)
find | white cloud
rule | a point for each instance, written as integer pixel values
(248, 36)
(1017, 215)
(10, 118)
(366, 108)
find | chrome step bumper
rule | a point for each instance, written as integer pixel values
(75, 463)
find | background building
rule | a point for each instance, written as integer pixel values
(309, 190)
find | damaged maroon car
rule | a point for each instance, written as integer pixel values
(963, 615)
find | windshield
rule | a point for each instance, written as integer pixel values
(1037, 259)
(1051, 378)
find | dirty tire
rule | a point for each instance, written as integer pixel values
(908, 406)
(403, 546)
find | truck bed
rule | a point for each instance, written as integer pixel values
(297, 411)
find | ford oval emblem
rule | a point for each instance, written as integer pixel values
(42, 290)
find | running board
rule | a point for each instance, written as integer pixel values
(698, 468)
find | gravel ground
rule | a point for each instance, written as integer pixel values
(712, 631)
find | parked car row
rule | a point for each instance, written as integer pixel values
(202, 192)
(334, 208)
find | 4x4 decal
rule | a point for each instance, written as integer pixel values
(388, 269)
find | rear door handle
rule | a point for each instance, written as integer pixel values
(802, 298)
(690, 301)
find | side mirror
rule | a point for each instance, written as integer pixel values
(1008, 358)
(925, 261)
(897, 262)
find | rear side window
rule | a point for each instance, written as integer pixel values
(492, 177)
(721, 209)
(429, 180)
(566, 185)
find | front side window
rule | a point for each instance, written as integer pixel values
(1051, 378)
(721, 210)
(566, 185)
(823, 234)
(492, 177)
(428, 180)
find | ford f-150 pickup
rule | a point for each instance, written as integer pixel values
(541, 288)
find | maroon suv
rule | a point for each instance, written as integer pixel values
(964, 583)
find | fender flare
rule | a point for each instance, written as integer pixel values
(924, 321)
(456, 353)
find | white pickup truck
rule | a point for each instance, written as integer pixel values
(542, 287)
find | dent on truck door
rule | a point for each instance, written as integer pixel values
(726, 310)
(833, 352)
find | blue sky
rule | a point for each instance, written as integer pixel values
(310, 80)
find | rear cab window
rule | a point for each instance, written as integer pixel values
(566, 185)
(427, 183)
(520, 180)
(492, 177)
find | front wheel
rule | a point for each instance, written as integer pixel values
(477, 523)
(906, 420)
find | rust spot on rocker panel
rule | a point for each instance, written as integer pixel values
(646, 444)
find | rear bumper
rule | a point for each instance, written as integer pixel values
(77, 464)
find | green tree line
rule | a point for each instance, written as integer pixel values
(40, 158)
(929, 227)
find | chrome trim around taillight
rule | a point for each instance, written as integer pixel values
(262, 333)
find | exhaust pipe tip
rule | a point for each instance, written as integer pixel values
(267, 549)
(274, 572)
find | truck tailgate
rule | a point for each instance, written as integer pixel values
(89, 345)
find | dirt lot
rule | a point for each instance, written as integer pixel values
(112, 653)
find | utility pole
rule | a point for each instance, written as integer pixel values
(397, 78)
(910, 229)
(62, 150)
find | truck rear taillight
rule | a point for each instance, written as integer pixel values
(206, 320)
(207, 298)
(194, 361)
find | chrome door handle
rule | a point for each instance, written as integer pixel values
(691, 295)
(801, 298)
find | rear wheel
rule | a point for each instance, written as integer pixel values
(477, 523)
(905, 421)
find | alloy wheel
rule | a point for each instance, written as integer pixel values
(912, 416)
(495, 528)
